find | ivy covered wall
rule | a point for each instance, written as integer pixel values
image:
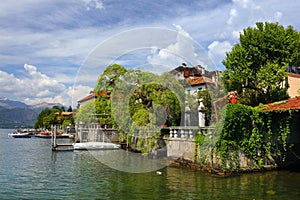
(245, 132)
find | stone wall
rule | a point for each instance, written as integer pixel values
(184, 152)
(178, 148)
(94, 133)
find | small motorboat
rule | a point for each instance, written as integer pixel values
(95, 146)
(19, 135)
(48, 135)
(44, 134)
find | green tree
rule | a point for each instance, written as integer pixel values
(86, 113)
(67, 122)
(156, 98)
(105, 85)
(70, 109)
(47, 117)
(256, 66)
(107, 79)
(39, 120)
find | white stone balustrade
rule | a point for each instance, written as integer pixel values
(189, 132)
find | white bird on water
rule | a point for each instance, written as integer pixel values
(158, 172)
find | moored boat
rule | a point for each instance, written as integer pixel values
(48, 135)
(95, 146)
(19, 135)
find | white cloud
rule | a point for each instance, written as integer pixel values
(243, 3)
(218, 49)
(182, 50)
(278, 16)
(34, 86)
(236, 34)
(78, 92)
(93, 4)
(233, 13)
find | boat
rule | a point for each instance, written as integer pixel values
(48, 135)
(95, 146)
(19, 135)
(44, 134)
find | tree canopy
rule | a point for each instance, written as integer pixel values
(105, 85)
(48, 117)
(256, 66)
(106, 80)
(147, 97)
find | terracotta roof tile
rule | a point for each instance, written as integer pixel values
(290, 104)
(294, 75)
(64, 113)
(91, 96)
(198, 80)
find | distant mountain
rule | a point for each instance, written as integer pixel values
(41, 106)
(15, 114)
(17, 117)
(7, 103)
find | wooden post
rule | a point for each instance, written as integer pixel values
(54, 145)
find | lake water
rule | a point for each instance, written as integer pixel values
(30, 170)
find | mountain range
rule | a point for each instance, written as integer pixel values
(15, 114)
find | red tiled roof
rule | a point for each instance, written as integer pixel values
(64, 113)
(93, 95)
(198, 80)
(290, 104)
(294, 75)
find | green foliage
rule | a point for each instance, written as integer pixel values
(86, 113)
(155, 99)
(67, 122)
(48, 117)
(107, 79)
(256, 66)
(70, 109)
(199, 139)
(142, 102)
(253, 132)
(106, 82)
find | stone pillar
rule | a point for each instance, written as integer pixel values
(187, 117)
(201, 113)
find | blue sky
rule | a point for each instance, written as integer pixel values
(45, 45)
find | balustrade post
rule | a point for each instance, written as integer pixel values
(191, 134)
(175, 133)
(171, 133)
(182, 133)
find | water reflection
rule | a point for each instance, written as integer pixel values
(129, 162)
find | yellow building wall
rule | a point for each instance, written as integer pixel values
(294, 85)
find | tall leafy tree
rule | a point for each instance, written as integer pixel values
(256, 66)
(70, 109)
(86, 113)
(105, 85)
(47, 117)
(150, 94)
(107, 79)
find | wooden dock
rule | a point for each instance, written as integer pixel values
(62, 147)
(59, 147)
